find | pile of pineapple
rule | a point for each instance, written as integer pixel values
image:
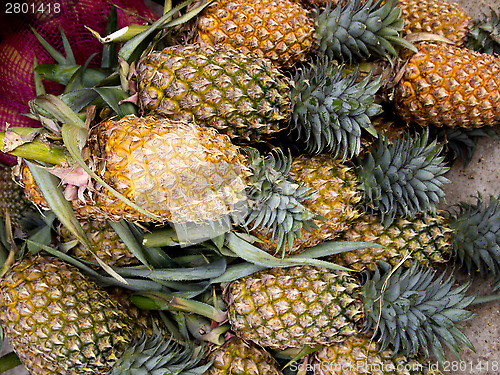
(252, 188)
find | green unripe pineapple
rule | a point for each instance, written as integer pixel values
(249, 99)
(425, 239)
(57, 318)
(237, 357)
(60, 322)
(244, 96)
(309, 306)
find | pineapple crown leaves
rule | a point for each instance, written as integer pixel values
(330, 107)
(357, 30)
(476, 235)
(460, 143)
(413, 310)
(484, 34)
(403, 177)
(160, 356)
(275, 198)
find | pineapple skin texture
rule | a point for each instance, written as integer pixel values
(12, 199)
(294, 307)
(23, 176)
(105, 241)
(280, 30)
(436, 17)
(60, 322)
(241, 95)
(359, 355)
(237, 357)
(445, 85)
(334, 197)
(178, 171)
(146, 322)
(423, 239)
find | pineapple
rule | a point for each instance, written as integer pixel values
(24, 178)
(334, 198)
(450, 20)
(309, 306)
(280, 30)
(445, 85)
(60, 322)
(12, 199)
(318, 3)
(402, 177)
(468, 234)
(178, 171)
(146, 322)
(237, 357)
(475, 235)
(437, 17)
(286, 33)
(106, 243)
(460, 143)
(276, 210)
(247, 98)
(399, 178)
(359, 355)
(197, 171)
(425, 239)
(242, 95)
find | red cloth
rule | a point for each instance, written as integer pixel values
(19, 46)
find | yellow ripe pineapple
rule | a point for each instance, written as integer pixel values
(177, 171)
(191, 176)
(24, 177)
(399, 177)
(60, 322)
(286, 33)
(335, 195)
(443, 18)
(450, 20)
(445, 85)
(334, 198)
(280, 30)
(360, 355)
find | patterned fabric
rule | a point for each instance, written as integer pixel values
(19, 46)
